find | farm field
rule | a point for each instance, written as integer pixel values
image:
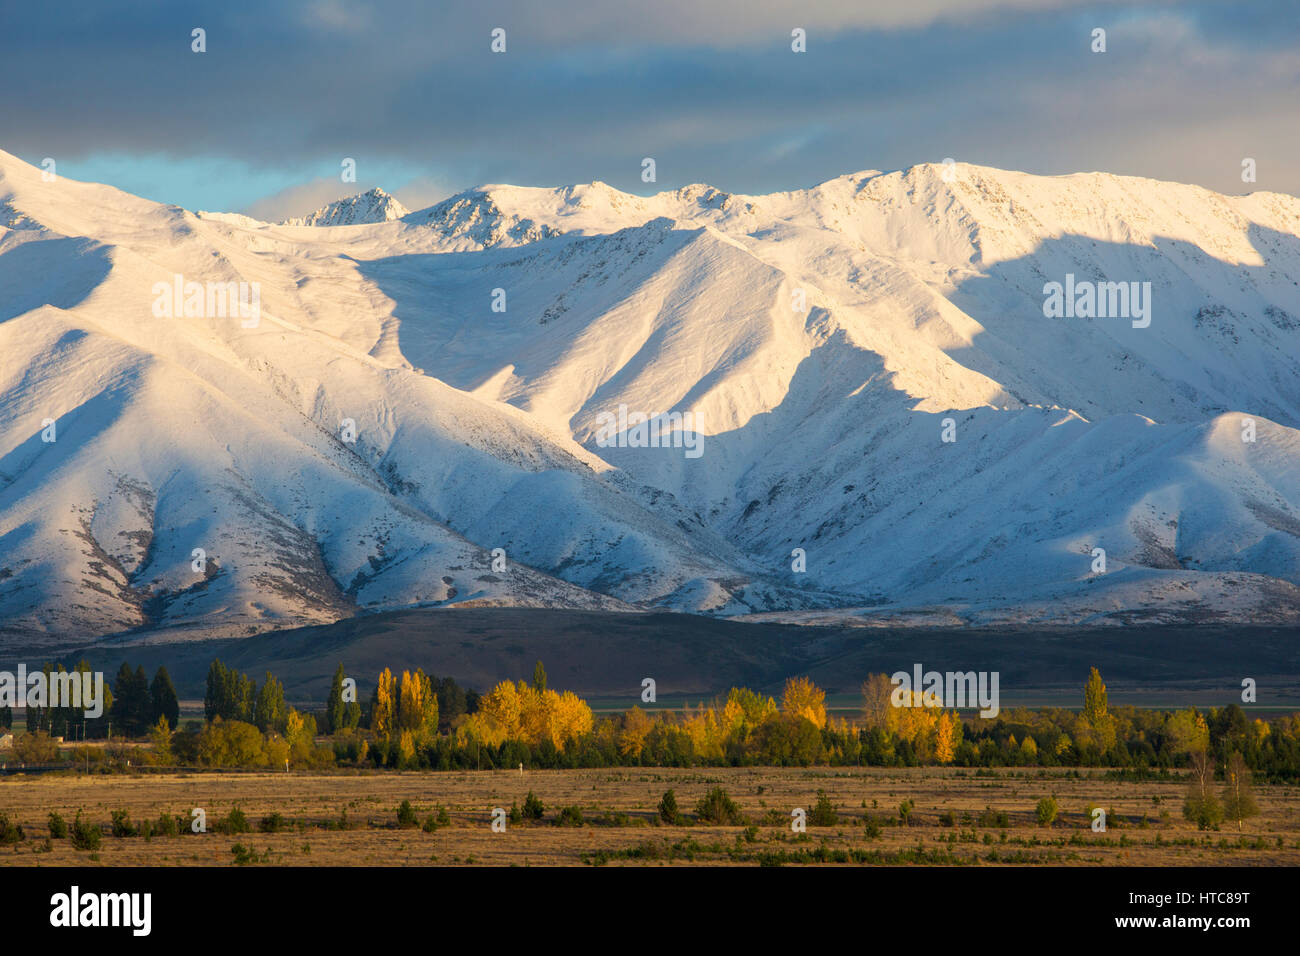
(993, 819)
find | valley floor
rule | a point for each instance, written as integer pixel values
(621, 823)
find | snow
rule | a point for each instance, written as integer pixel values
(477, 429)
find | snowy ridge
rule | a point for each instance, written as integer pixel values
(478, 429)
(368, 207)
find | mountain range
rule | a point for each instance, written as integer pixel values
(416, 411)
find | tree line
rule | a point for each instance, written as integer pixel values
(414, 720)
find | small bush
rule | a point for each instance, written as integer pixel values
(1046, 811)
(9, 832)
(430, 824)
(235, 822)
(58, 826)
(245, 855)
(406, 815)
(994, 818)
(38, 748)
(167, 825)
(122, 826)
(85, 836)
(533, 807)
(668, 811)
(717, 807)
(570, 816)
(905, 812)
(823, 814)
(272, 823)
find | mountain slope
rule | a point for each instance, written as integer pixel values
(823, 339)
(371, 206)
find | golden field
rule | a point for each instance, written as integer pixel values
(621, 824)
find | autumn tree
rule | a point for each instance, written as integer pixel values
(417, 707)
(947, 734)
(1097, 725)
(161, 737)
(1187, 732)
(803, 698)
(1238, 797)
(383, 706)
(877, 710)
(745, 710)
(636, 725)
(1201, 806)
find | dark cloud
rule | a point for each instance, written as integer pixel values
(711, 90)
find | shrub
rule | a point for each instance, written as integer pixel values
(406, 815)
(948, 819)
(235, 822)
(430, 824)
(58, 826)
(1205, 811)
(516, 815)
(1046, 811)
(85, 836)
(668, 811)
(905, 811)
(245, 855)
(533, 807)
(39, 747)
(994, 818)
(570, 816)
(823, 814)
(167, 825)
(9, 832)
(122, 824)
(717, 807)
(272, 823)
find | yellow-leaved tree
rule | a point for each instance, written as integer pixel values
(803, 698)
(947, 730)
(570, 718)
(745, 710)
(383, 711)
(878, 713)
(417, 708)
(636, 725)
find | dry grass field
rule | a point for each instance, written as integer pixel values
(621, 821)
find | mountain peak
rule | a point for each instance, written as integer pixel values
(372, 206)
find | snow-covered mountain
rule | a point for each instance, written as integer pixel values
(371, 206)
(827, 341)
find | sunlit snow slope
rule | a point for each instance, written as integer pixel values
(822, 337)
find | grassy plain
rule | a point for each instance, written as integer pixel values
(621, 822)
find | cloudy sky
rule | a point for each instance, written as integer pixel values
(711, 89)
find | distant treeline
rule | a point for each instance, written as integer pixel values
(415, 721)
